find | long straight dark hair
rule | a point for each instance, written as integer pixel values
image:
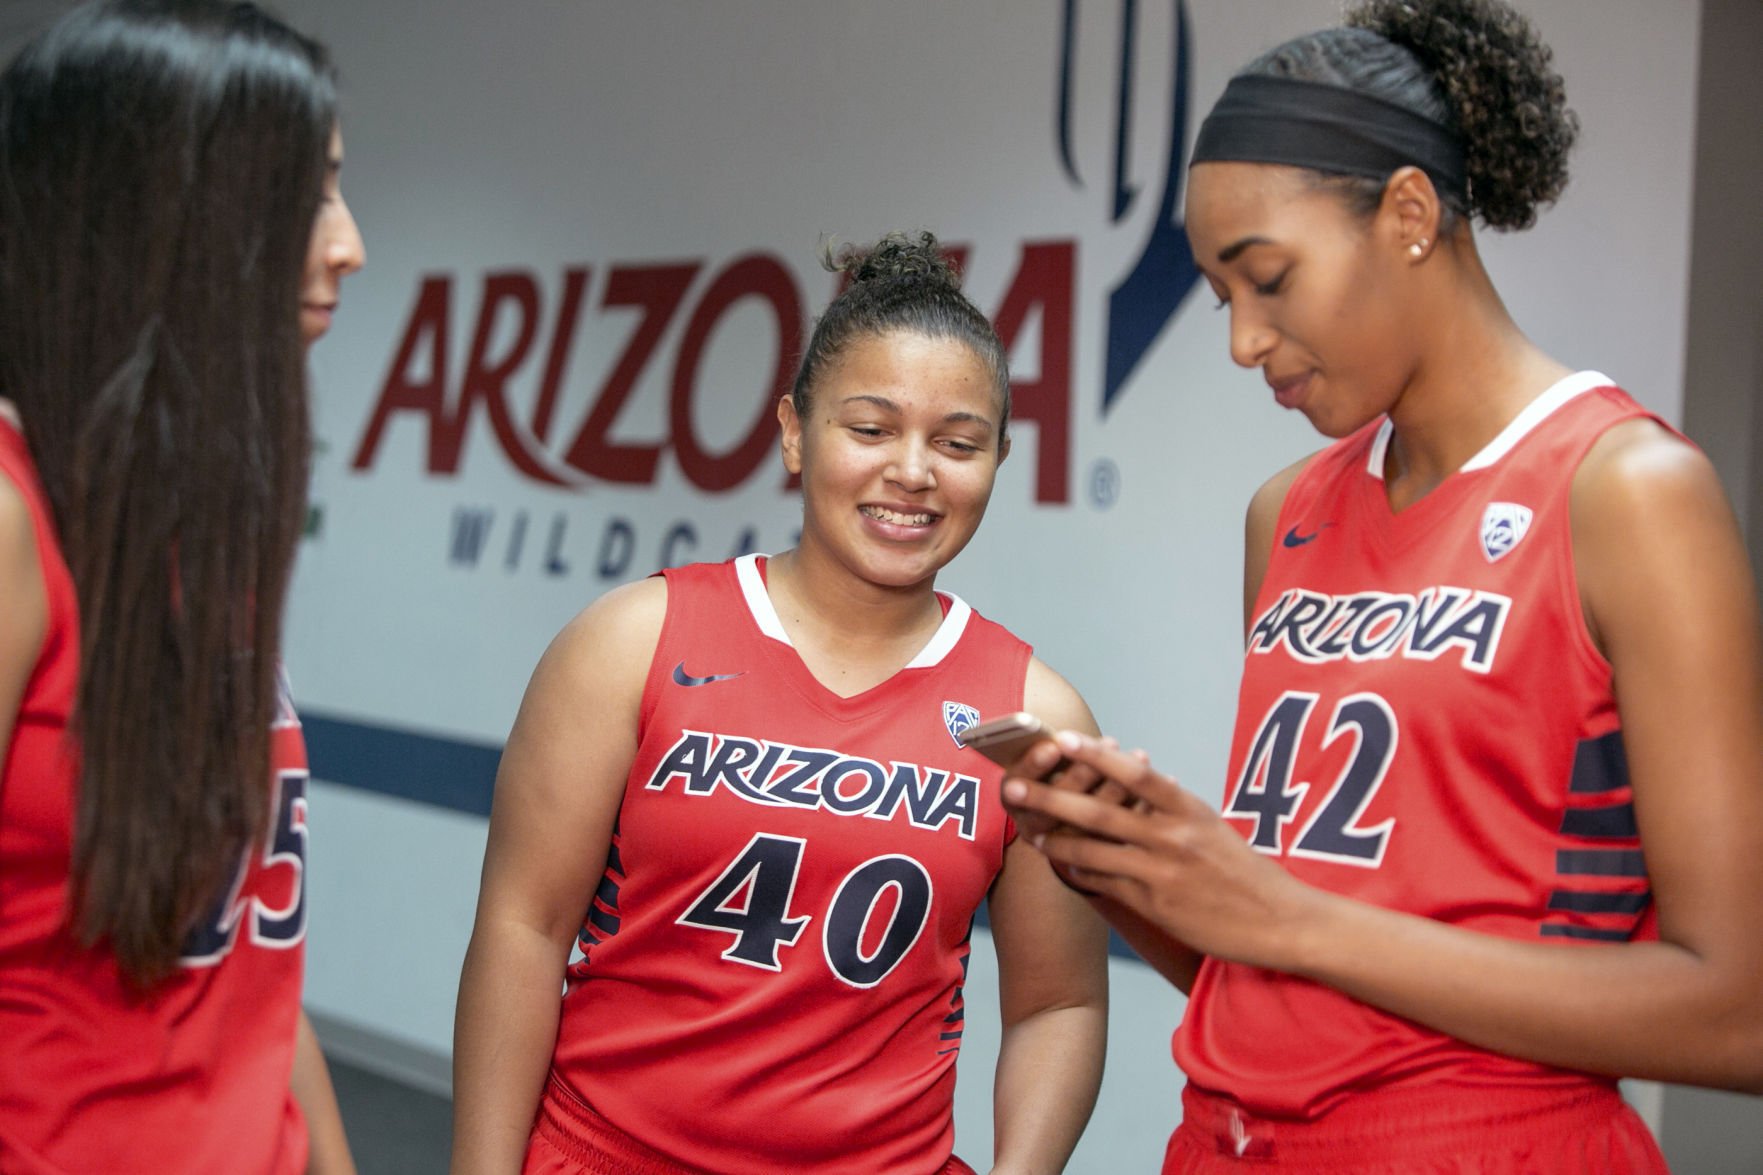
(161, 164)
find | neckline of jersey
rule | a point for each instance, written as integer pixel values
(1519, 427)
(751, 572)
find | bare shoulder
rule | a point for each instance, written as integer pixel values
(1258, 528)
(627, 617)
(1265, 505)
(1640, 463)
(604, 652)
(21, 576)
(1643, 492)
(1055, 701)
(15, 519)
(26, 615)
(1652, 530)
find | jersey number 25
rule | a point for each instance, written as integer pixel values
(214, 937)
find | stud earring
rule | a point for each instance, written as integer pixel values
(1417, 248)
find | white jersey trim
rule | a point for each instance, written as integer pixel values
(758, 601)
(1522, 425)
(948, 632)
(766, 617)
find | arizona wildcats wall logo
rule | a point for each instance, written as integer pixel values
(1503, 526)
(1147, 298)
(960, 718)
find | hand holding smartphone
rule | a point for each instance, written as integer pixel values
(1003, 740)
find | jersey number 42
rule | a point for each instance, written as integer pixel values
(1267, 793)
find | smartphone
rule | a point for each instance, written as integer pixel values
(1003, 740)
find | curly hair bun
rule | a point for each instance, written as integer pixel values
(901, 283)
(1507, 100)
(898, 255)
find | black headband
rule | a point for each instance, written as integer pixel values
(1264, 119)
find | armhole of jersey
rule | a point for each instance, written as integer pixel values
(1572, 599)
(1297, 494)
(1320, 470)
(655, 680)
(1024, 654)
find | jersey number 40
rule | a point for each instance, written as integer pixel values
(751, 901)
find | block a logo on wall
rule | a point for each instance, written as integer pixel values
(559, 417)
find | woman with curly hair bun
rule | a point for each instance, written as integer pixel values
(172, 239)
(740, 787)
(1498, 760)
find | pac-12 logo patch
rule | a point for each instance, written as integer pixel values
(959, 717)
(1503, 526)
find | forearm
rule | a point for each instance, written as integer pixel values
(1174, 960)
(1049, 1069)
(505, 1029)
(310, 1083)
(1650, 1009)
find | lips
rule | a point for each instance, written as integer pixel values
(315, 318)
(1289, 390)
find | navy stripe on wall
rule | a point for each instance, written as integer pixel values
(431, 769)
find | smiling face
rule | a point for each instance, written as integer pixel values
(1315, 291)
(897, 454)
(334, 252)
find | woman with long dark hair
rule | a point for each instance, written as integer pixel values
(740, 788)
(171, 240)
(1493, 828)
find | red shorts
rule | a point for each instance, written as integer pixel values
(570, 1138)
(1483, 1132)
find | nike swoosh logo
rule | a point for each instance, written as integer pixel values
(683, 678)
(1294, 539)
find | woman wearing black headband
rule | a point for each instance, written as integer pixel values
(1500, 735)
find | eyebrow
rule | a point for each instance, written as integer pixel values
(888, 405)
(968, 418)
(1234, 250)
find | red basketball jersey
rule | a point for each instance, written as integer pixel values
(1424, 724)
(775, 957)
(192, 1076)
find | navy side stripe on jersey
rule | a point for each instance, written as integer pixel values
(958, 1017)
(1599, 765)
(1596, 933)
(1600, 768)
(1579, 902)
(603, 920)
(1614, 822)
(1600, 863)
(607, 923)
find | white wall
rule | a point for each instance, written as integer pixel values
(540, 135)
